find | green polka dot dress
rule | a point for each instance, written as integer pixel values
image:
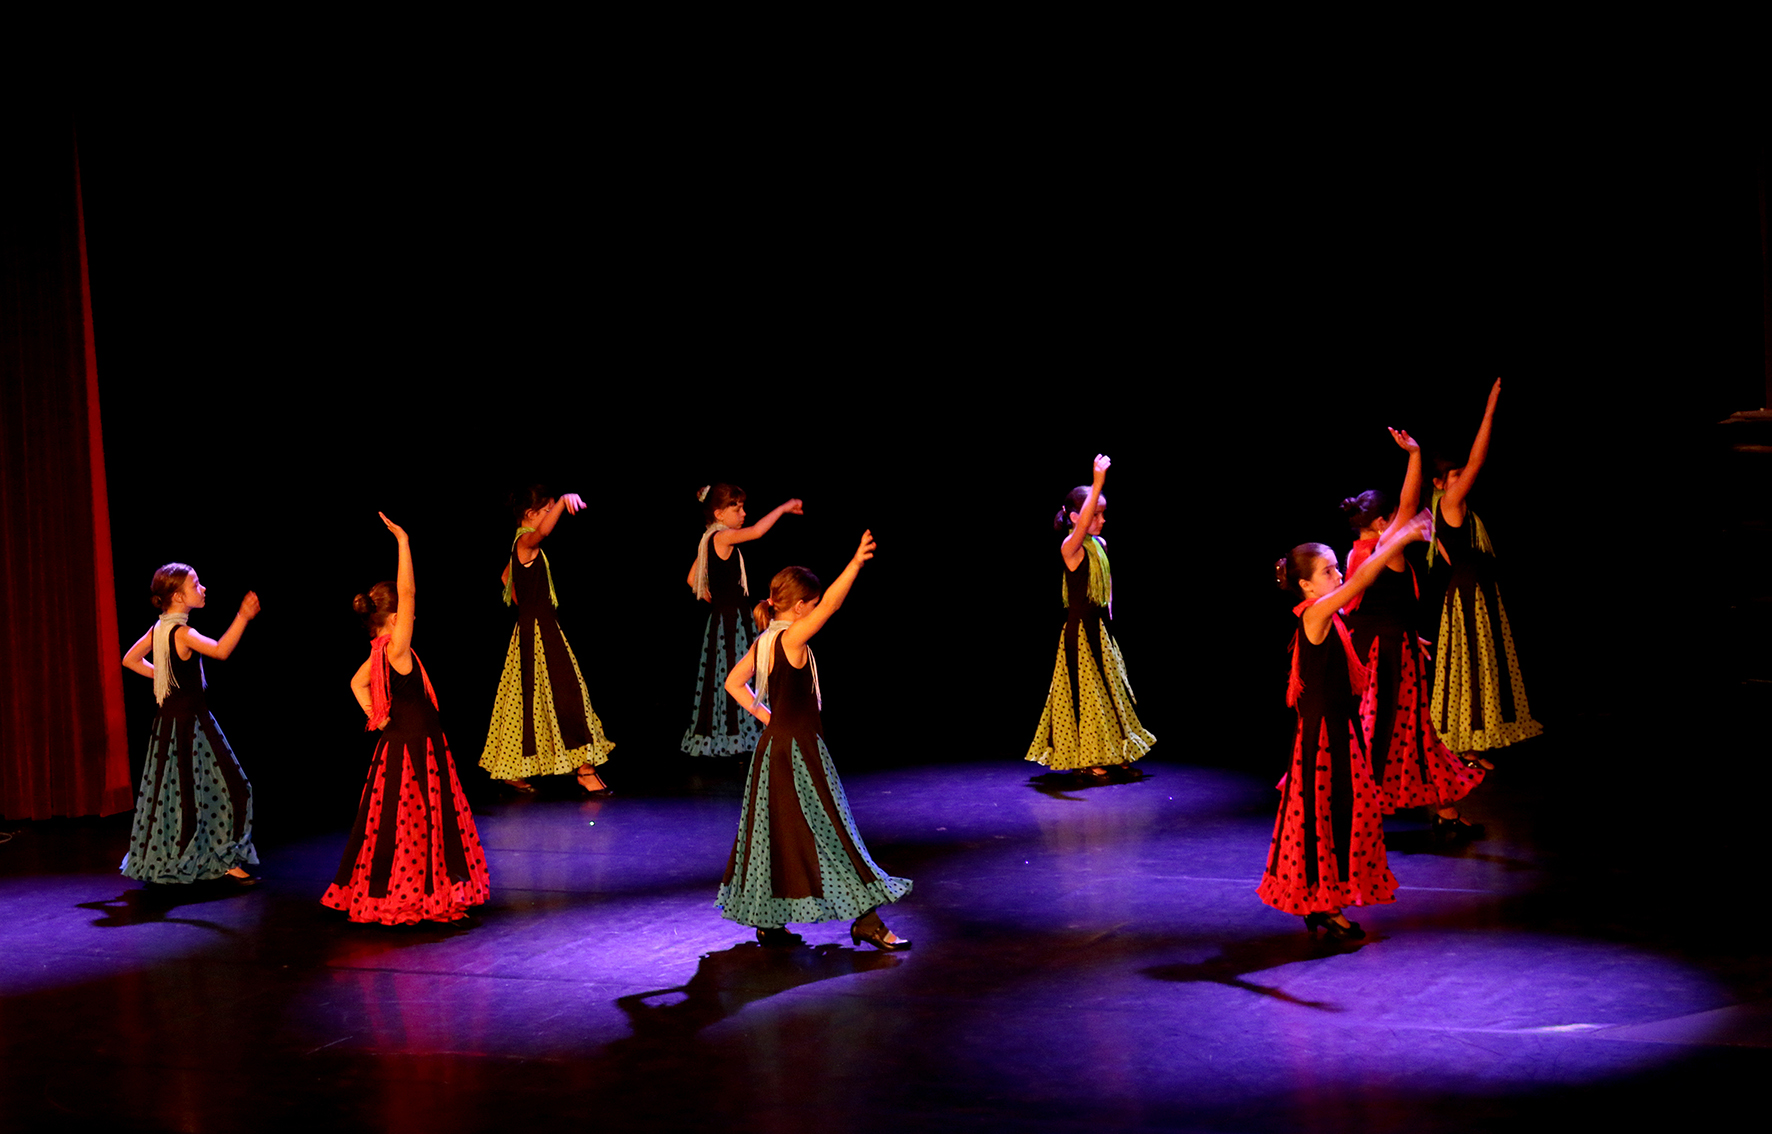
(1089, 720)
(797, 856)
(1479, 699)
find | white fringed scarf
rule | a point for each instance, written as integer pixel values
(164, 682)
(701, 564)
(766, 654)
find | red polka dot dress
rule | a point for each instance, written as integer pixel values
(1409, 762)
(1328, 846)
(414, 853)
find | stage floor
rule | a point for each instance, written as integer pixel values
(1086, 959)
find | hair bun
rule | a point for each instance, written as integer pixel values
(363, 604)
(1350, 504)
(1280, 572)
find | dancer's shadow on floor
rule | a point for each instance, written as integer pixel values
(155, 903)
(1426, 842)
(728, 980)
(1241, 958)
(1065, 785)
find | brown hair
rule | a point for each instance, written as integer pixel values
(718, 497)
(375, 606)
(790, 585)
(168, 581)
(527, 499)
(1365, 508)
(1297, 565)
(1072, 503)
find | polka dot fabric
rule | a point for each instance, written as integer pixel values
(193, 816)
(420, 885)
(1468, 670)
(719, 726)
(749, 897)
(1103, 727)
(503, 757)
(1287, 885)
(1419, 771)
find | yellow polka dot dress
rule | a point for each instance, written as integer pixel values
(1479, 700)
(1089, 720)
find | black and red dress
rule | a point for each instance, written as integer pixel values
(1328, 846)
(1409, 763)
(414, 853)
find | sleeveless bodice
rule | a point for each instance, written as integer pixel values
(723, 578)
(186, 695)
(410, 711)
(793, 702)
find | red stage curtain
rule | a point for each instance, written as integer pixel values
(62, 740)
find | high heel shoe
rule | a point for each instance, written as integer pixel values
(1335, 932)
(778, 937)
(868, 927)
(601, 791)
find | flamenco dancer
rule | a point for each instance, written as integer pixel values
(414, 853)
(718, 727)
(797, 856)
(1328, 846)
(1479, 700)
(542, 720)
(1089, 722)
(193, 817)
(1410, 765)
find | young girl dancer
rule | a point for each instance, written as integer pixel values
(1328, 845)
(193, 818)
(414, 854)
(718, 727)
(1410, 765)
(797, 856)
(542, 720)
(1479, 701)
(1089, 721)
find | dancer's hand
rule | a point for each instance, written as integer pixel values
(1419, 526)
(399, 532)
(794, 506)
(1101, 468)
(573, 502)
(1404, 441)
(1494, 396)
(865, 550)
(249, 606)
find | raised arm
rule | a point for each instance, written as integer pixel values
(757, 530)
(400, 644)
(738, 685)
(1452, 502)
(570, 502)
(1318, 615)
(795, 637)
(136, 658)
(220, 650)
(1409, 499)
(1072, 548)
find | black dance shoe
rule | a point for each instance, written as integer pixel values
(868, 927)
(778, 937)
(1326, 922)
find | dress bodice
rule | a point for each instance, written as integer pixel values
(793, 701)
(724, 587)
(409, 708)
(530, 584)
(185, 691)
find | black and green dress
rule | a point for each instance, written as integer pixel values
(1089, 720)
(542, 720)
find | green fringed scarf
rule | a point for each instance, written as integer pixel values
(553, 599)
(1101, 579)
(1479, 537)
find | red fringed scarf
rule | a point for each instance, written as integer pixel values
(378, 682)
(1356, 673)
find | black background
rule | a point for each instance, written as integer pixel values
(921, 321)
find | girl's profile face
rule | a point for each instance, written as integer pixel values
(192, 592)
(732, 515)
(1325, 576)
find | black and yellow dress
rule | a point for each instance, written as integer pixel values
(542, 720)
(1479, 700)
(1089, 720)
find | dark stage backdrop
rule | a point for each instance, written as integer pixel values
(308, 317)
